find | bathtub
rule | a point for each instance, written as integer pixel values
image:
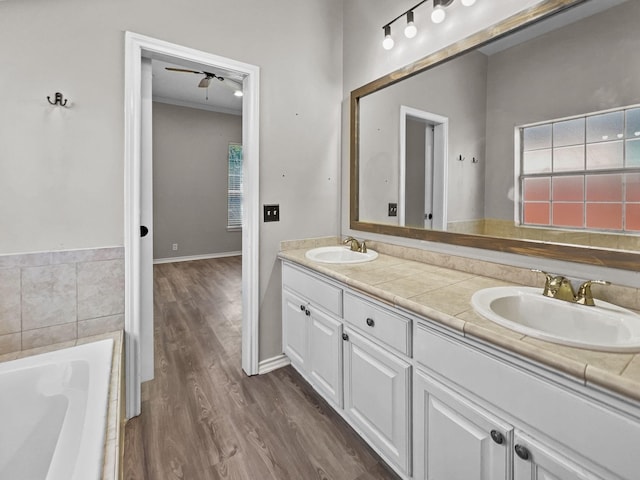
(53, 410)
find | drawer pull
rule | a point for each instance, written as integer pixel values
(522, 452)
(345, 337)
(370, 322)
(307, 312)
(302, 308)
(497, 437)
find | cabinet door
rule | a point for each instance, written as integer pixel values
(535, 461)
(454, 439)
(325, 355)
(295, 329)
(377, 397)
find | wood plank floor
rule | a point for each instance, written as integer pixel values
(203, 418)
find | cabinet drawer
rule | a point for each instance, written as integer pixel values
(378, 322)
(313, 289)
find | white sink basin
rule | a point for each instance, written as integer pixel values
(340, 254)
(603, 327)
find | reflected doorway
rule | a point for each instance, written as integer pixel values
(423, 169)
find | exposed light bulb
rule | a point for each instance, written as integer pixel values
(620, 135)
(410, 30)
(468, 3)
(438, 15)
(388, 42)
(238, 93)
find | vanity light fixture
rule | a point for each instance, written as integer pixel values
(438, 14)
(410, 30)
(388, 42)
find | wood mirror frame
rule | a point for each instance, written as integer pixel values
(621, 259)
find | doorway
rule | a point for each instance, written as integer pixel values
(422, 199)
(139, 208)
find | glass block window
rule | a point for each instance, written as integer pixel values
(234, 190)
(582, 172)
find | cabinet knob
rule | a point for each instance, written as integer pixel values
(497, 437)
(370, 322)
(522, 452)
(307, 312)
(345, 337)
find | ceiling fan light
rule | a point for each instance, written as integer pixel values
(204, 83)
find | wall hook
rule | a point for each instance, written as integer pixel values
(58, 100)
(474, 160)
(461, 158)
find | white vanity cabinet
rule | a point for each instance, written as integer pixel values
(295, 329)
(455, 439)
(534, 460)
(312, 330)
(553, 428)
(357, 360)
(377, 377)
(377, 397)
(437, 405)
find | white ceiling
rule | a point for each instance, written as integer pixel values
(181, 88)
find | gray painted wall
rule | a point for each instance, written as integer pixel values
(415, 165)
(566, 72)
(190, 151)
(62, 182)
(462, 100)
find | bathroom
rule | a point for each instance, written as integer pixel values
(63, 173)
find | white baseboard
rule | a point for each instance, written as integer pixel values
(196, 257)
(270, 364)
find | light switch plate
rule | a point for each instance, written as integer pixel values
(271, 213)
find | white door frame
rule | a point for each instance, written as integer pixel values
(136, 47)
(440, 167)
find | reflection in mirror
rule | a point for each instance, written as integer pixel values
(530, 137)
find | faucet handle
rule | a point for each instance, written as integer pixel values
(584, 295)
(547, 283)
(363, 247)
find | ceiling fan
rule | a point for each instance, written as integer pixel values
(205, 82)
(208, 76)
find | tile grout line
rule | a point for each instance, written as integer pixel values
(21, 327)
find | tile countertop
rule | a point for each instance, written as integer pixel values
(425, 289)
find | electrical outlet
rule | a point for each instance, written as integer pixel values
(174, 247)
(271, 213)
(393, 209)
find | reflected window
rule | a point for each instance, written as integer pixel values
(582, 173)
(234, 187)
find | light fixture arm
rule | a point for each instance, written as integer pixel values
(405, 13)
(437, 16)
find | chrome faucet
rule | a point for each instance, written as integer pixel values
(356, 246)
(558, 286)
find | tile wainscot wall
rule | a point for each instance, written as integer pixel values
(54, 297)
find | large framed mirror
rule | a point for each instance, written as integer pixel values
(523, 138)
